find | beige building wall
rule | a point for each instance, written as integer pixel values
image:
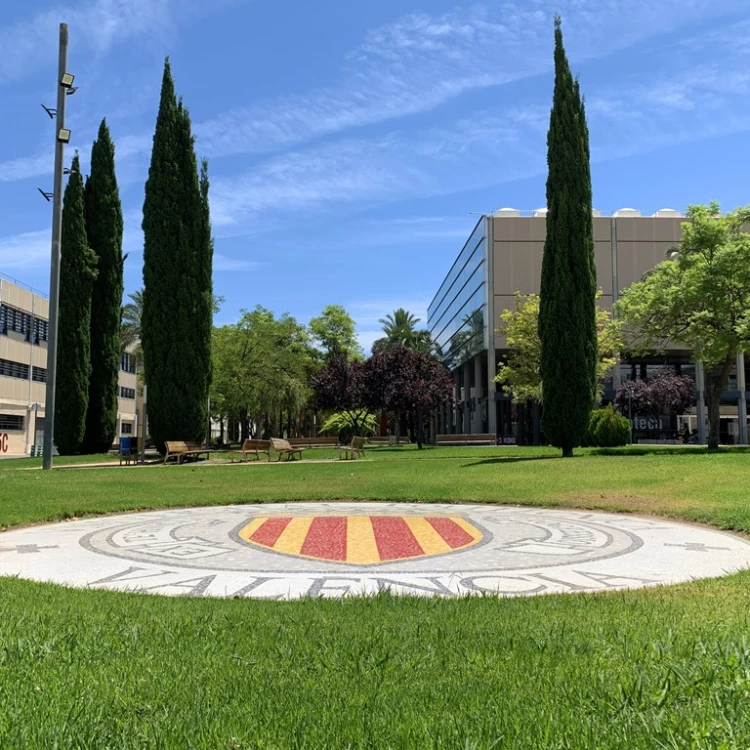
(24, 398)
(630, 246)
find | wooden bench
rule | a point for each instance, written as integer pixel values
(355, 448)
(256, 447)
(385, 440)
(479, 439)
(313, 442)
(179, 449)
(282, 448)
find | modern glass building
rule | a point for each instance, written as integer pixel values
(503, 256)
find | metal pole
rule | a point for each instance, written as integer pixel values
(144, 420)
(54, 278)
(742, 401)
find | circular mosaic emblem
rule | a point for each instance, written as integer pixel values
(288, 550)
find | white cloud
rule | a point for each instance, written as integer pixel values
(26, 250)
(225, 263)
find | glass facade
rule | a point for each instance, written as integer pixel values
(457, 316)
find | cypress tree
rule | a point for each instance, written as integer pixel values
(567, 314)
(77, 273)
(104, 228)
(177, 297)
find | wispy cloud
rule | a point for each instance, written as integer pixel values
(421, 61)
(225, 263)
(98, 24)
(422, 163)
(25, 251)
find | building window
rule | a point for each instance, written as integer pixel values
(11, 423)
(39, 374)
(15, 320)
(127, 362)
(41, 330)
(126, 428)
(127, 392)
(14, 369)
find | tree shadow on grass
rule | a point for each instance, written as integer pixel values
(513, 460)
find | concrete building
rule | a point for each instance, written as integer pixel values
(503, 256)
(23, 371)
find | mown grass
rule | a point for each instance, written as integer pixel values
(664, 668)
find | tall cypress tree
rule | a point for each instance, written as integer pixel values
(77, 274)
(177, 297)
(567, 313)
(104, 228)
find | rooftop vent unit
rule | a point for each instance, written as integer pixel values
(540, 212)
(596, 212)
(503, 212)
(667, 213)
(630, 212)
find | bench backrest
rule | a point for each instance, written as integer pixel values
(485, 437)
(280, 445)
(358, 443)
(312, 441)
(256, 445)
(177, 446)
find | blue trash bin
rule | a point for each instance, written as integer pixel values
(125, 449)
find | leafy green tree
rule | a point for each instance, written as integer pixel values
(77, 274)
(520, 375)
(335, 331)
(699, 298)
(177, 296)
(260, 367)
(104, 228)
(567, 311)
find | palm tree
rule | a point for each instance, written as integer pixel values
(400, 330)
(131, 321)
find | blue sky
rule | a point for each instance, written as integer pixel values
(350, 141)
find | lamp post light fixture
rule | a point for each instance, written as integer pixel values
(62, 136)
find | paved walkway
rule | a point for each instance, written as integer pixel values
(281, 551)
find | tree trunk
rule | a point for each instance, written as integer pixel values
(420, 427)
(719, 378)
(243, 425)
(567, 451)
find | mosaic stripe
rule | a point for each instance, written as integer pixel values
(269, 531)
(326, 538)
(293, 536)
(361, 547)
(453, 532)
(429, 539)
(394, 538)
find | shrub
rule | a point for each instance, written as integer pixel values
(607, 428)
(350, 423)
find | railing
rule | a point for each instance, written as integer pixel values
(18, 283)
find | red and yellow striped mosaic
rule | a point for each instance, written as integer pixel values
(361, 540)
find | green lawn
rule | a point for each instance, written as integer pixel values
(666, 668)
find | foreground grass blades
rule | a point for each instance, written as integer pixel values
(666, 668)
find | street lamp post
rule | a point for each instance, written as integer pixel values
(630, 413)
(62, 136)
